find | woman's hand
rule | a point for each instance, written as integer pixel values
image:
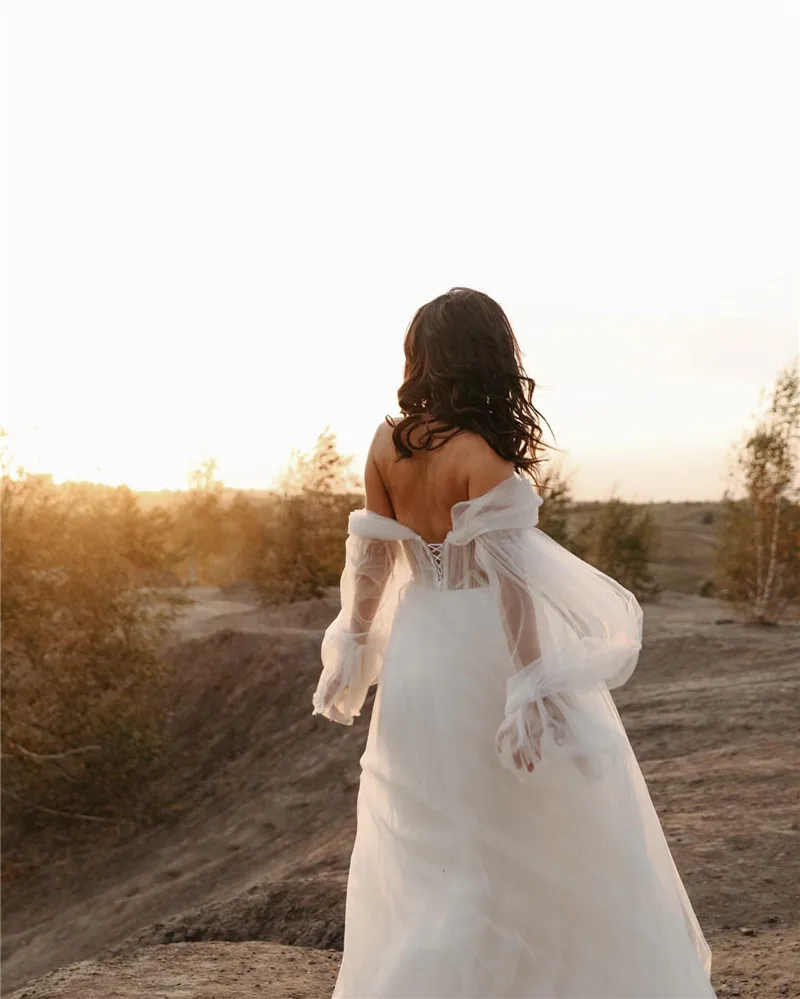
(525, 746)
(332, 692)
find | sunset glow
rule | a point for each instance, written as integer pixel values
(222, 217)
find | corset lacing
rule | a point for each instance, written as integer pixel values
(435, 548)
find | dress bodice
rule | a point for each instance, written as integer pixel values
(451, 564)
(442, 565)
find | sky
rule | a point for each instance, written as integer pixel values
(222, 217)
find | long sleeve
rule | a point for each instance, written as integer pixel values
(352, 648)
(572, 634)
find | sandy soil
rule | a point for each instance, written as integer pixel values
(240, 889)
(191, 971)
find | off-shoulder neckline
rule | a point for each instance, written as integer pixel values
(461, 504)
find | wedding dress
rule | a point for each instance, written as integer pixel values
(470, 877)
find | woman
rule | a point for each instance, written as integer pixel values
(506, 844)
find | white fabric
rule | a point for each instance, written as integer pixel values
(470, 876)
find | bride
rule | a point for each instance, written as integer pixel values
(506, 842)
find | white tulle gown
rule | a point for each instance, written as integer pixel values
(470, 877)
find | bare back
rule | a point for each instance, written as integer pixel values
(421, 490)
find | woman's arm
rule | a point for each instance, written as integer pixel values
(347, 672)
(369, 562)
(524, 731)
(378, 558)
(572, 632)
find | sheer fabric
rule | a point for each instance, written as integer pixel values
(506, 844)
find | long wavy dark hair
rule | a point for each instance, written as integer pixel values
(464, 372)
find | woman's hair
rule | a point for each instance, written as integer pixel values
(464, 372)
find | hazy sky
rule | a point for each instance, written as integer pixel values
(223, 216)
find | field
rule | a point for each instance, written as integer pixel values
(239, 889)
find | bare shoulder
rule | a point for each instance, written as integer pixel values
(485, 468)
(381, 447)
(377, 495)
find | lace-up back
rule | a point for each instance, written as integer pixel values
(452, 564)
(442, 565)
(435, 548)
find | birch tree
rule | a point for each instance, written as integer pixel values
(758, 558)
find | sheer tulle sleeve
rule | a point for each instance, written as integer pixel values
(354, 642)
(572, 632)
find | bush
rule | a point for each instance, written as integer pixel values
(557, 504)
(707, 588)
(619, 541)
(82, 630)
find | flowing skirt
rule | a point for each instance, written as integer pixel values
(466, 883)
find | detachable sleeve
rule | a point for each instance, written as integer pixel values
(572, 633)
(352, 647)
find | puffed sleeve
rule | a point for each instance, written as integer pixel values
(572, 632)
(352, 648)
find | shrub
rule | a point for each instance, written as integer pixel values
(554, 513)
(707, 588)
(82, 629)
(619, 540)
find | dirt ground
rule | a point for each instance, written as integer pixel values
(192, 971)
(239, 890)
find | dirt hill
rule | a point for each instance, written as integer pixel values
(240, 889)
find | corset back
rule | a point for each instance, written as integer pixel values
(442, 565)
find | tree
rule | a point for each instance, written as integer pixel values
(303, 548)
(200, 520)
(758, 557)
(322, 472)
(246, 523)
